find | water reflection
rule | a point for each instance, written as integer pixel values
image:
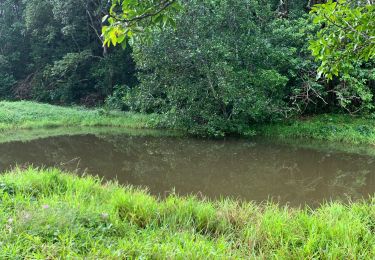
(251, 170)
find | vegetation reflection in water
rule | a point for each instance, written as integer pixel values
(246, 169)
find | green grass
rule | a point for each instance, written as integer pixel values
(31, 115)
(47, 214)
(25, 135)
(334, 128)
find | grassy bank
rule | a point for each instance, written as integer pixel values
(31, 115)
(40, 133)
(46, 214)
(335, 128)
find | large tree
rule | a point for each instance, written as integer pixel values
(228, 64)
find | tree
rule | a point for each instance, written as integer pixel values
(227, 65)
(347, 36)
(345, 46)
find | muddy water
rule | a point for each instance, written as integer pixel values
(254, 170)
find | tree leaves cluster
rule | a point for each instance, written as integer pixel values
(347, 36)
(128, 19)
(345, 47)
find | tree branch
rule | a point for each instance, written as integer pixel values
(160, 8)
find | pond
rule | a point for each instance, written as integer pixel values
(255, 170)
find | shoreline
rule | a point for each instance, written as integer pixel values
(51, 214)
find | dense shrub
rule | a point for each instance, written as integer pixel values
(227, 65)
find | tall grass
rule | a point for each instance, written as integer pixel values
(29, 115)
(329, 127)
(47, 214)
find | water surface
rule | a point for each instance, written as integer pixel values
(254, 170)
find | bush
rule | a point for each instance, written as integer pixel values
(226, 66)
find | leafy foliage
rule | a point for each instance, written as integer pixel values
(347, 37)
(345, 45)
(237, 67)
(59, 56)
(129, 18)
(214, 67)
